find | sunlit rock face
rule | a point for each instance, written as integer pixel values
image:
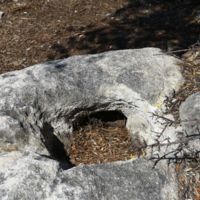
(40, 104)
(190, 118)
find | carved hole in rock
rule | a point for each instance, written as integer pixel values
(100, 137)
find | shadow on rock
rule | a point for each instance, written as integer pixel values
(55, 147)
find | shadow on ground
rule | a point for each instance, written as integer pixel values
(169, 25)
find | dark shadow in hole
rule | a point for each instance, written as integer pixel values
(106, 116)
(99, 116)
(55, 147)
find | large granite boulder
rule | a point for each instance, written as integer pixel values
(41, 105)
(52, 95)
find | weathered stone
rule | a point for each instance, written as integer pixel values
(190, 114)
(40, 105)
(190, 120)
(133, 81)
(34, 177)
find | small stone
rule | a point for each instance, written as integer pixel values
(1, 14)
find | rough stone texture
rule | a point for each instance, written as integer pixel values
(190, 114)
(55, 93)
(33, 177)
(190, 120)
(40, 105)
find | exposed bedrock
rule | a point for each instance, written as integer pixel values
(41, 105)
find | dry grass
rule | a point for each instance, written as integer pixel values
(188, 174)
(100, 144)
(33, 31)
(191, 73)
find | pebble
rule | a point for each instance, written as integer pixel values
(1, 14)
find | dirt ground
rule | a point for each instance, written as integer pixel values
(36, 31)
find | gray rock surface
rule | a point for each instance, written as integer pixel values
(33, 177)
(190, 120)
(40, 106)
(190, 114)
(57, 92)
